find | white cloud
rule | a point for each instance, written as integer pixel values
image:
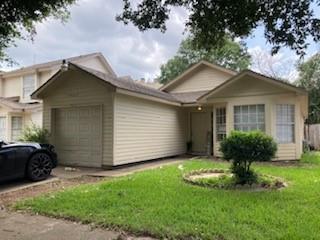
(91, 28)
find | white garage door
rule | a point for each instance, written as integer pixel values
(78, 136)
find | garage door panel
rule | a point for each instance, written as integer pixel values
(78, 133)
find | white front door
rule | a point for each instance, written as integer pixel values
(201, 132)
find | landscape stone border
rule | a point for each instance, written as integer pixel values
(188, 178)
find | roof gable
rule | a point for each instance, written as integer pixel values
(248, 83)
(57, 63)
(218, 73)
(120, 83)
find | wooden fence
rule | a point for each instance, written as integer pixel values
(313, 135)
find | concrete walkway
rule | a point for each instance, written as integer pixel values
(17, 226)
(127, 170)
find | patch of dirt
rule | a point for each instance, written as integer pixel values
(9, 198)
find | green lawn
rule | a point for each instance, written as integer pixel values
(159, 203)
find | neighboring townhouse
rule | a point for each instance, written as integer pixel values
(17, 109)
(100, 120)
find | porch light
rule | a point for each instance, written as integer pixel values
(199, 108)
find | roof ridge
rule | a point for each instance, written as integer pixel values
(51, 62)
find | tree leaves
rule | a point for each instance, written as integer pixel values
(286, 22)
(17, 17)
(229, 54)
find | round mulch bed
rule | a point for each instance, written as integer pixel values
(224, 179)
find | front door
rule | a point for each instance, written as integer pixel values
(201, 132)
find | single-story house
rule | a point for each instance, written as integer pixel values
(100, 120)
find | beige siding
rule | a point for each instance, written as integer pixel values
(205, 78)
(94, 63)
(249, 87)
(45, 76)
(12, 87)
(77, 89)
(147, 130)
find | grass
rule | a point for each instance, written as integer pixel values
(159, 203)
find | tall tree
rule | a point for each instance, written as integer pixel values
(286, 22)
(19, 17)
(309, 78)
(230, 54)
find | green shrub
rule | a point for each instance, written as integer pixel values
(244, 148)
(34, 133)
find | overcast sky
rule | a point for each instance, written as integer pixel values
(92, 28)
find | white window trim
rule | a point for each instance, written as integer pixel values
(219, 124)
(286, 123)
(5, 134)
(35, 78)
(248, 123)
(11, 124)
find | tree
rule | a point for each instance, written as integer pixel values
(309, 78)
(276, 66)
(17, 17)
(286, 22)
(244, 148)
(230, 55)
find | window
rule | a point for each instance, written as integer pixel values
(16, 128)
(3, 128)
(285, 123)
(220, 123)
(249, 117)
(28, 85)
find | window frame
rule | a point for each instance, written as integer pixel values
(220, 121)
(14, 137)
(27, 90)
(285, 122)
(245, 115)
(5, 128)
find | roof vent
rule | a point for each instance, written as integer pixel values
(64, 66)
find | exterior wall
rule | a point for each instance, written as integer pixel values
(12, 87)
(94, 63)
(33, 118)
(290, 151)
(77, 89)
(45, 75)
(146, 130)
(205, 78)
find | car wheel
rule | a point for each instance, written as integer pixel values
(39, 167)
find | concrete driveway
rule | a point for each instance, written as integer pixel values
(17, 226)
(58, 173)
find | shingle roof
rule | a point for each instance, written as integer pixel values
(51, 63)
(129, 84)
(19, 106)
(189, 97)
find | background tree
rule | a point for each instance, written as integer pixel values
(286, 22)
(309, 78)
(18, 19)
(276, 66)
(230, 54)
